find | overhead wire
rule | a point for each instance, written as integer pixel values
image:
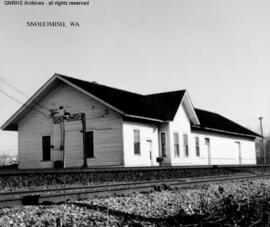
(14, 88)
(16, 100)
(20, 92)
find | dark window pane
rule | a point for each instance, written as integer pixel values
(207, 141)
(89, 140)
(197, 145)
(137, 143)
(163, 144)
(185, 138)
(176, 144)
(46, 148)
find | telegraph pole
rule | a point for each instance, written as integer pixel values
(84, 140)
(72, 117)
(263, 151)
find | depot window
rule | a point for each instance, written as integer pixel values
(137, 142)
(176, 144)
(197, 146)
(185, 140)
(163, 143)
(89, 140)
(46, 148)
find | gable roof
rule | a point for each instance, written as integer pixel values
(211, 121)
(160, 107)
(166, 103)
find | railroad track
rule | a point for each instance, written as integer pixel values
(54, 195)
(98, 169)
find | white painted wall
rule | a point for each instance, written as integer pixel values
(223, 148)
(181, 125)
(147, 132)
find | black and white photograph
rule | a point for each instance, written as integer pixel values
(134, 113)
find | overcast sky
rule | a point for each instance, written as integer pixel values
(218, 50)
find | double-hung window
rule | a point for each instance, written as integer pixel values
(197, 146)
(137, 143)
(185, 140)
(176, 144)
(163, 144)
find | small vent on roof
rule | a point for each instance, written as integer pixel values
(94, 82)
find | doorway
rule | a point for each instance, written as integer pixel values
(149, 148)
(238, 144)
(207, 144)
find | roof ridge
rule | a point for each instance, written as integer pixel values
(98, 84)
(228, 119)
(220, 116)
(166, 92)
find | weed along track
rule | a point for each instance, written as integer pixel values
(239, 201)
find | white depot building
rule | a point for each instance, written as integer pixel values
(77, 122)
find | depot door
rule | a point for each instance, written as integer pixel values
(150, 151)
(207, 145)
(238, 147)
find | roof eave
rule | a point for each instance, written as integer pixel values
(193, 108)
(144, 118)
(13, 127)
(194, 118)
(224, 131)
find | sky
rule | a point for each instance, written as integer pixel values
(218, 50)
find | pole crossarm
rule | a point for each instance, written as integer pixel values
(68, 117)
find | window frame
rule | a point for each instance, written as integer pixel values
(163, 147)
(176, 146)
(197, 146)
(185, 145)
(93, 144)
(136, 144)
(207, 141)
(44, 159)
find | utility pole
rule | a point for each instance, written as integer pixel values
(262, 144)
(84, 140)
(72, 117)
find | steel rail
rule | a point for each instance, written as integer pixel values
(54, 189)
(101, 169)
(14, 198)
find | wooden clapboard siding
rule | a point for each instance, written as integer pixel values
(105, 122)
(31, 129)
